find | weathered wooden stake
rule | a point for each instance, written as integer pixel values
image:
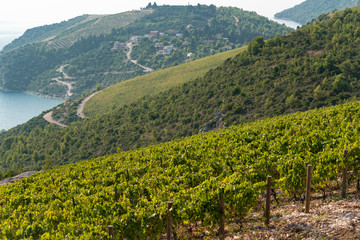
(30, 218)
(268, 200)
(116, 195)
(344, 175)
(356, 172)
(344, 183)
(111, 231)
(73, 201)
(358, 184)
(222, 214)
(308, 188)
(169, 220)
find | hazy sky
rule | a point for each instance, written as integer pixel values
(18, 15)
(29, 13)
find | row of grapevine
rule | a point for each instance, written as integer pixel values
(129, 190)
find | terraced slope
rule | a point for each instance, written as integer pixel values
(95, 25)
(66, 33)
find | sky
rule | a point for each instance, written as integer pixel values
(18, 15)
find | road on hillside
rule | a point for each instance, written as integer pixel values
(128, 55)
(80, 110)
(69, 85)
(48, 117)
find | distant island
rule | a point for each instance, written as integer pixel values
(311, 9)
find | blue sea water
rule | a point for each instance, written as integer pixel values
(18, 108)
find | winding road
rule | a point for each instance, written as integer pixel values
(48, 117)
(80, 111)
(69, 85)
(128, 55)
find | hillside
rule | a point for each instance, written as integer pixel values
(313, 67)
(66, 33)
(124, 93)
(311, 9)
(155, 38)
(130, 190)
(127, 92)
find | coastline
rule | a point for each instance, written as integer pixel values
(46, 96)
(2, 89)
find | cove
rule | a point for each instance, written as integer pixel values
(17, 107)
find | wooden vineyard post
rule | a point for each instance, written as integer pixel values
(357, 178)
(169, 220)
(268, 199)
(222, 213)
(308, 188)
(344, 175)
(116, 195)
(111, 231)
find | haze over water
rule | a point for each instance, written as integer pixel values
(18, 108)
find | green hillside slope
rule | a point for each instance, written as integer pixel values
(39, 34)
(129, 190)
(161, 37)
(313, 67)
(311, 9)
(66, 33)
(127, 92)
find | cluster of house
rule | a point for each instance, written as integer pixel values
(155, 35)
(166, 50)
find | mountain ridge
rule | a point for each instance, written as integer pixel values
(311, 9)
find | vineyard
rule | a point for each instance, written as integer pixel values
(95, 25)
(128, 91)
(130, 190)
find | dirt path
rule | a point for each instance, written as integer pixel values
(80, 110)
(17, 177)
(128, 55)
(48, 117)
(69, 85)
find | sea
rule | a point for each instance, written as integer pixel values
(18, 108)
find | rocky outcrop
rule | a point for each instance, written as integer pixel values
(17, 177)
(216, 123)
